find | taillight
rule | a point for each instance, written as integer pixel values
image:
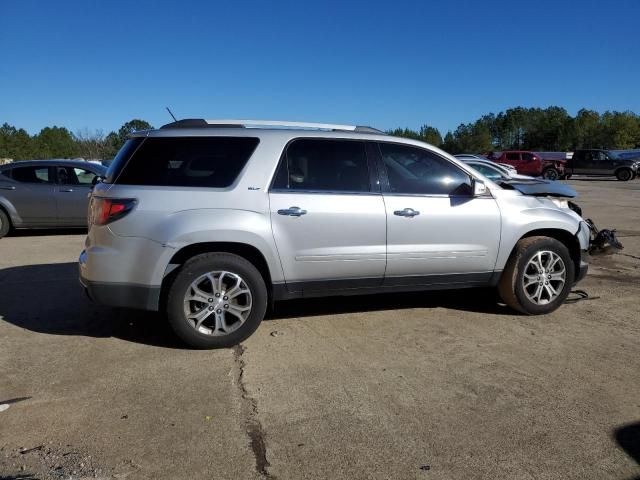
(107, 210)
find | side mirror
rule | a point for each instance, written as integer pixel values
(96, 180)
(479, 188)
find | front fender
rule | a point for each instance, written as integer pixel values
(518, 222)
(16, 219)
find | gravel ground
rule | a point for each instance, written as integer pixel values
(441, 385)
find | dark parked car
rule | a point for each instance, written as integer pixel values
(602, 162)
(46, 193)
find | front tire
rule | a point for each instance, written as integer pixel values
(624, 174)
(551, 174)
(538, 276)
(216, 300)
(5, 223)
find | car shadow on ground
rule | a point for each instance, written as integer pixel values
(48, 299)
(628, 438)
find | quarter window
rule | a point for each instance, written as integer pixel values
(182, 161)
(414, 170)
(324, 165)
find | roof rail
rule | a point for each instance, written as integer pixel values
(201, 123)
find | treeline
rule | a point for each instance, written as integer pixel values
(537, 129)
(59, 142)
(541, 129)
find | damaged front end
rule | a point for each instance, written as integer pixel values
(600, 241)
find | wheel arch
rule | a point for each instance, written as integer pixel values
(624, 167)
(244, 250)
(563, 236)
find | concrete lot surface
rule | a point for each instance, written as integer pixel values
(443, 385)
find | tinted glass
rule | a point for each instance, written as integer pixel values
(414, 170)
(487, 171)
(527, 156)
(513, 156)
(31, 174)
(74, 176)
(185, 161)
(324, 165)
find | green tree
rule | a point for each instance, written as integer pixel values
(620, 130)
(405, 132)
(430, 135)
(15, 143)
(55, 142)
(586, 130)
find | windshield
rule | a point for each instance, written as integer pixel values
(489, 171)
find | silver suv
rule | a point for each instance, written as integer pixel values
(211, 221)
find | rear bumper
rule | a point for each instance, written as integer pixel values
(124, 295)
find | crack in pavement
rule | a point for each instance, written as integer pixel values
(249, 411)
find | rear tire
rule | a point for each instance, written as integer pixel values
(624, 174)
(221, 327)
(551, 174)
(5, 223)
(521, 279)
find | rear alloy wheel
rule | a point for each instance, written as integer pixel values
(5, 224)
(538, 276)
(216, 300)
(624, 174)
(551, 174)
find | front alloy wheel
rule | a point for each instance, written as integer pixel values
(544, 277)
(538, 276)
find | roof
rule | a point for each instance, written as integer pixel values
(52, 162)
(261, 124)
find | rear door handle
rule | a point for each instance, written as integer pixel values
(407, 212)
(7, 187)
(66, 190)
(292, 211)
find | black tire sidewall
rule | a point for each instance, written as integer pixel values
(199, 266)
(5, 224)
(624, 174)
(544, 244)
(556, 174)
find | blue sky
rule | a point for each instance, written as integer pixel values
(403, 63)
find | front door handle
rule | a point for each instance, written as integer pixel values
(407, 212)
(292, 211)
(7, 187)
(66, 190)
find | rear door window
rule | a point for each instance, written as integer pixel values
(513, 156)
(213, 162)
(324, 165)
(33, 174)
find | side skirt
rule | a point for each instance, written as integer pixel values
(367, 286)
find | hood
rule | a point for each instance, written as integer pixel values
(539, 188)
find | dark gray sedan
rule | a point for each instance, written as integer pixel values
(46, 193)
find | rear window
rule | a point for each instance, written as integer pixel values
(213, 162)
